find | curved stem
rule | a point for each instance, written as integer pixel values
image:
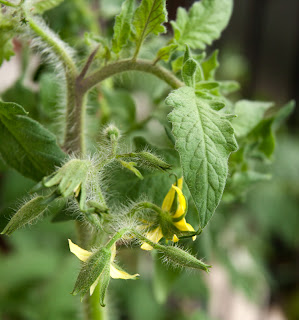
(130, 65)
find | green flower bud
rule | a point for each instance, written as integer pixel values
(92, 270)
(152, 160)
(28, 213)
(183, 258)
(112, 132)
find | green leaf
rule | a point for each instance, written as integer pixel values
(41, 6)
(210, 66)
(249, 114)
(204, 140)
(148, 18)
(166, 52)
(122, 26)
(26, 145)
(202, 24)
(283, 113)
(6, 35)
(189, 72)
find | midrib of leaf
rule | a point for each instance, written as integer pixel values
(143, 35)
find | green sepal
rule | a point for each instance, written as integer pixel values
(28, 213)
(91, 270)
(104, 283)
(182, 258)
(71, 178)
(131, 166)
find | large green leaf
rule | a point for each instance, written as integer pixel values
(26, 145)
(204, 140)
(122, 26)
(148, 18)
(203, 23)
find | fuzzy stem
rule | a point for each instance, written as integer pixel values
(130, 65)
(9, 4)
(94, 311)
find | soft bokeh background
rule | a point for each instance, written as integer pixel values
(252, 244)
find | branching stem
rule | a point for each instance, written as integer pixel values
(130, 65)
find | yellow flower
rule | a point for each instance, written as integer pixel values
(115, 271)
(178, 218)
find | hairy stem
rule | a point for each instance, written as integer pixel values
(9, 4)
(130, 65)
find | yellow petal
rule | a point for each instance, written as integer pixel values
(93, 286)
(182, 202)
(175, 238)
(168, 200)
(82, 254)
(113, 252)
(116, 273)
(155, 236)
(180, 183)
(184, 226)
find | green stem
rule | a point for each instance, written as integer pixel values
(130, 65)
(9, 4)
(94, 310)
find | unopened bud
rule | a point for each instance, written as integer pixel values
(28, 213)
(92, 269)
(183, 258)
(112, 132)
(152, 160)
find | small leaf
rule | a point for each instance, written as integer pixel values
(189, 71)
(122, 26)
(202, 24)
(249, 114)
(7, 32)
(210, 66)
(166, 52)
(148, 18)
(204, 140)
(25, 144)
(41, 6)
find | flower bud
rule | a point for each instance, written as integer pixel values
(112, 132)
(152, 160)
(92, 269)
(183, 258)
(28, 213)
(131, 166)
